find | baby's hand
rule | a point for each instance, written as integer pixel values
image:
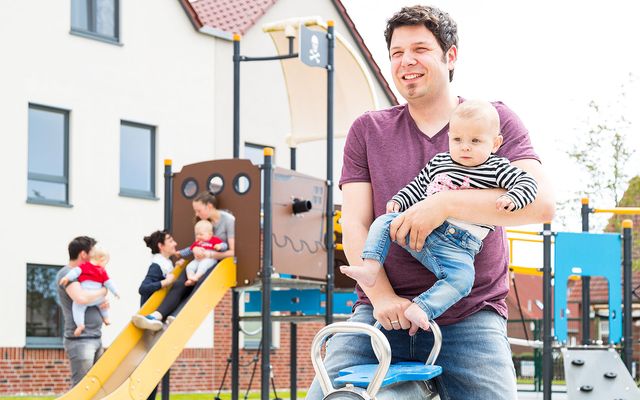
(217, 247)
(392, 206)
(190, 282)
(64, 281)
(198, 253)
(504, 203)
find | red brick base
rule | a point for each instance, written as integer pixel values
(30, 371)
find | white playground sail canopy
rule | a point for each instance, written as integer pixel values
(307, 87)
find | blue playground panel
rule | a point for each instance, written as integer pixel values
(305, 301)
(588, 254)
(361, 375)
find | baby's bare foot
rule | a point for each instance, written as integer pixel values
(365, 274)
(417, 316)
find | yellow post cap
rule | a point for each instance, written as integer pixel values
(330, 22)
(585, 200)
(627, 223)
(236, 37)
(268, 152)
(167, 161)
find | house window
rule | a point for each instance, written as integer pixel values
(252, 328)
(137, 160)
(48, 165)
(255, 153)
(96, 18)
(44, 317)
(603, 330)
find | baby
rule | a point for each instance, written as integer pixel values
(92, 276)
(205, 240)
(449, 251)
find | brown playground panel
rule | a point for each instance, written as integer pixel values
(298, 240)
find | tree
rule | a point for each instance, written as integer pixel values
(602, 152)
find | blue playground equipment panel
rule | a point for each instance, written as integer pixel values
(305, 301)
(361, 375)
(588, 254)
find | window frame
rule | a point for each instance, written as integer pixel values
(134, 193)
(87, 33)
(46, 177)
(40, 342)
(260, 147)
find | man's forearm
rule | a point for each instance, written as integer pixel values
(81, 296)
(479, 206)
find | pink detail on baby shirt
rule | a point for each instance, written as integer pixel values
(443, 182)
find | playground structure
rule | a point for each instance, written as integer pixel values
(580, 256)
(286, 258)
(284, 250)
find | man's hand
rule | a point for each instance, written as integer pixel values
(504, 203)
(392, 206)
(390, 312)
(199, 253)
(418, 222)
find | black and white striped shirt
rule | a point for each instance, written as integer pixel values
(442, 173)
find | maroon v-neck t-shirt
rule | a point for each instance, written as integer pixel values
(387, 149)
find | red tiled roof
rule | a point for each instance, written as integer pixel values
(233, 16)
(238, 16)
(529, 289)
(599, 289)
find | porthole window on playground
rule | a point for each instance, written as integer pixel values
(241, 183)
(215, 184)
(190, 188)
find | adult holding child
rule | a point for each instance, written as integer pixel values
(423, 50)
(83, 349)
(205, 207)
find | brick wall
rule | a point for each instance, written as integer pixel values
(279, 358)
(31, 371)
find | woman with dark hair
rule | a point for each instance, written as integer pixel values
(204, 207)
(159, 275)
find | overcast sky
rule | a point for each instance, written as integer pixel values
(545, 59)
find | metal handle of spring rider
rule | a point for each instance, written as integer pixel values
(380, 345)
(437, 342)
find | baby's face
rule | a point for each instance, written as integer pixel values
(471, 141)
(101, 260)
(203, 234)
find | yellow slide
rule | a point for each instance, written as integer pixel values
(136, 361)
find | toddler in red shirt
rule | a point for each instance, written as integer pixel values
(205, 240)
(92, 275)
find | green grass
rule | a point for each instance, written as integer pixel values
(181, 396)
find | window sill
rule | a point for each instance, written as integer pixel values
(48, 203)
(43, 343)
(95, 36)
(138, 195)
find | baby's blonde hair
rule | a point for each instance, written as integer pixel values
(479, 110)
(99, 256)
(203, 226)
